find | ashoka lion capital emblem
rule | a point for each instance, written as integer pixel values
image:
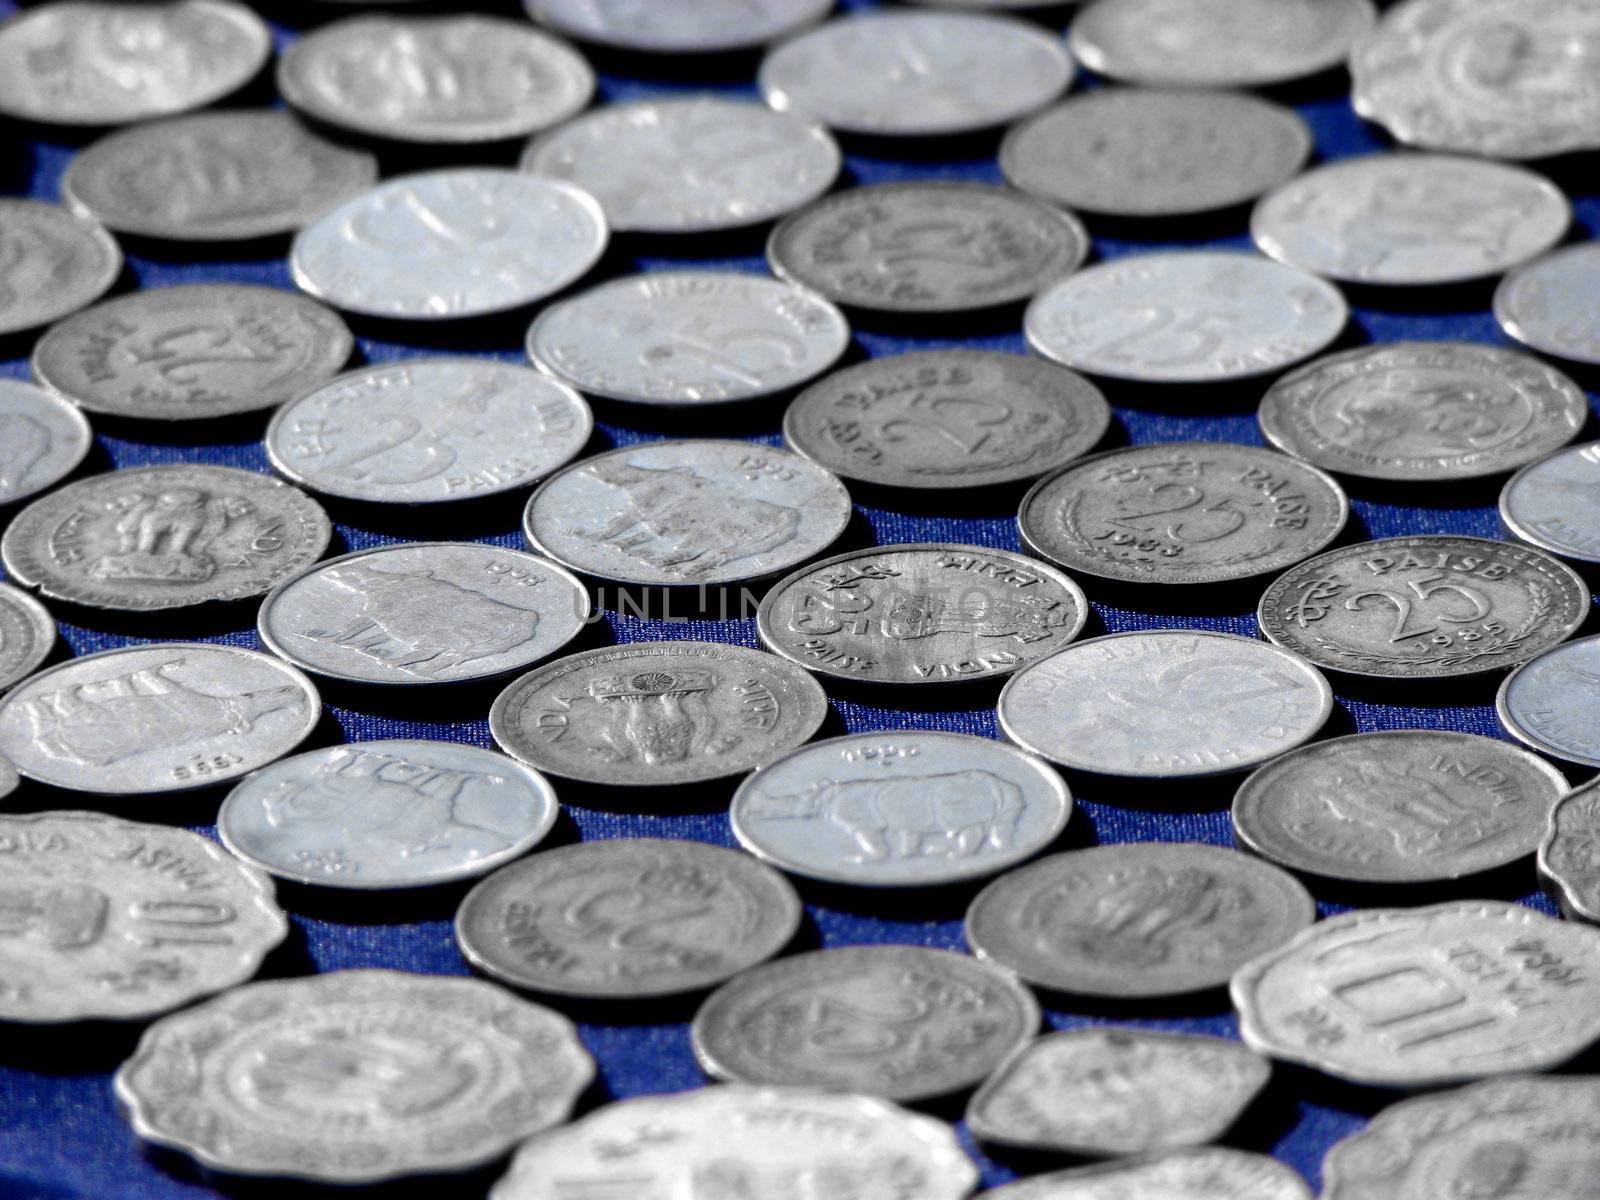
(657, 716)
(166, 536)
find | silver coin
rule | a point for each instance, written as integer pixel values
(147, 720)
(1423, 997)
(1398, 806)
(164, 537)
(907, 809)
(626, 917)
(1549, 702)
(681, 338)
(1136, 920)
(9, 779)
(428, 431)
(1548, 305)
(52, 262)
(1185, 317)
(1181, 513)
(1115, 1092)
(353, 1077)
(193, 352)
(691, 512)
(657, 713)
(423, 612)
(922, 613)
(916, 74)
(27, 635)
(452, 79)
(91, 62)
(1137, 152)
(684, 27)
(1554, 503)
(1419, 412)
(1424, 607)
(43, 439)
(902, 1022)
(693, 165)
(1210, 1173)
(782, 1140)
(927, 247)
(446, 244)
(1567, 856)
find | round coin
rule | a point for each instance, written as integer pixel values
(27, 635)
(353, 1077)
(43, 439)
(1424, 607)
(9, 779)
(1549, 702)
(1570, 854)
(683, 27)
(1554, 503)
(52, 262)
(922, 1022)
(1548, 305)
(1137, 920)
(673, 917)
(1185, 317)
(927, 247)
(1205, 1173)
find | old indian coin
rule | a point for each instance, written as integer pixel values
(1209, 1173)
(684, 27)
(353, 1077)
(1554, 503)
(1570, 855)
(146, 720)
(902, 1022)
(52, 262)
(927, 247)
(1398, 806)
(626, 918)
(1136, 920)
(27, 635)
(657, 713)
(9, 779)
(1424, 607)
(1549, 703)
(43, 439)
(1548, 305)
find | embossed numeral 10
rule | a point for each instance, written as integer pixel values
(182, 923)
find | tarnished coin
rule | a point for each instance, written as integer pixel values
(43, 439)
(1138, 152)
(118, 920)
(1185, 317)
(1424, 607)
(1136, 920)
(52, 262)
(695, 165)
(1423, 997)
(778, 1139)
(657, 713)
(93, 62)
(916, 74)
(1548, 305)
(1554, 503)
(1549, 703)
(902, 1022)
(164, 537)
(214, 177)
(27, 635)
(1398, 806)
(428, 431)
(1187, 512)
(922, 613)
(353, 1077)
(1420, 412)
(927, 247)
(194, 352)
(681, 338)
(683, 27)
(626, 918)
(1210, 1173)
(691, 512)
(449, 79)
(1570, 854)
(447, 244)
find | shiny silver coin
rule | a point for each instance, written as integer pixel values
(1421, 412)
(1136, 920)
(930, 247)
(1185, 317)
(682, 338)
(52, 262)
(43, 439)
(649, 714)
(1424, 607)
(684, 27)
(626, 918)
(455, 79)
(9, 779)
(214, 177)
(694, 165)
(423, 612)
(921, 613)
(353, 1077)
(1398, 806)
(1548, 305)
(27, 635)
(916, 74)
(690, 512)
(428, 431)
(903, 1022)
(446, 244)
(1136, 152)
(1567, 858)
(1211, 1173)
(92, 62)
(118, 920)
(194, 352)
(1554, 503)
(1182, 513)
(907, 809)
(1424, 997)
(164, 537)
(1549, 702)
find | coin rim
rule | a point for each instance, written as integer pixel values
(81, 428)
(1569, 896)
(1519, 533)
(1515, 328)
(1526, 737)
(106, 247)
(539, 12)
(44, 628)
